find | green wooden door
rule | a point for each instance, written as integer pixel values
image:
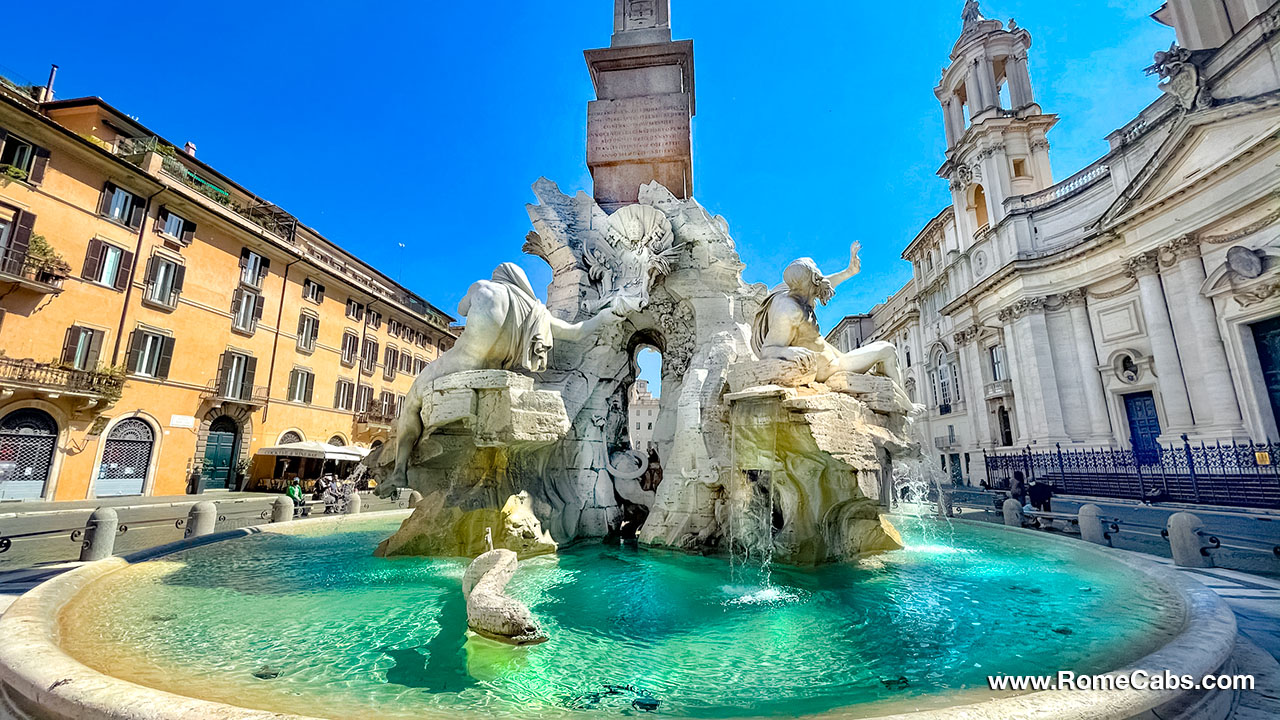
(220, 454)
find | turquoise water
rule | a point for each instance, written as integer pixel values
(315, 624)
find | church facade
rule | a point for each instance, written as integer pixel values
(1133, 303)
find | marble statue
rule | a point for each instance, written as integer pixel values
(508, 328)
(490, 611)
(796, 468)
(786, 328)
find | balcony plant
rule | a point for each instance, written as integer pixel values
(13, 172)
(45, 263)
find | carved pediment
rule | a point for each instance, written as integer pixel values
(1196, 150)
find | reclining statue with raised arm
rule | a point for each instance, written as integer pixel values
(508, 328)
(786, 328)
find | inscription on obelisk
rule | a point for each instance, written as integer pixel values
(638, 128)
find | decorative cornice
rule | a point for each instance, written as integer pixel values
(965, 336)
(1113, 293)
(1022, 307)
(1183, 248)
(1256, 295)
(1143, 264)
(1247, 230)
(1074, 298)
(1041, 143)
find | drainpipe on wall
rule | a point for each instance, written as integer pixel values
(275, 342)
(133, 275)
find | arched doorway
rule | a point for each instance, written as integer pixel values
(28, 438)
(126, 458)
(221, 450)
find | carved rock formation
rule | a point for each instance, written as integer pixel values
(490, 611)
(439, 529)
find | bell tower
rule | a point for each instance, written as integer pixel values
(995, 130)
(639, 126)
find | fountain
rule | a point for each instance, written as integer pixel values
(498, 597)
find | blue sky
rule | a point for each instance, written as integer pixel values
(426, 123)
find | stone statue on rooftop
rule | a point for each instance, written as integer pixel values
(508, 328)
(786, 328)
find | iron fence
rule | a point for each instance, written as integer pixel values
(1237, 475)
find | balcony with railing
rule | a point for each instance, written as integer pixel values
(997, 389)
(39, 274)
(1073, 185)
(377, 418)
(222, 393)
(55, 380)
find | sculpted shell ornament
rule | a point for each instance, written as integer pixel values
(636, 248)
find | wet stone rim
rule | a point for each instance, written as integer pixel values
(39, 679)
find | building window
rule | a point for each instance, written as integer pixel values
(246, 310)
(236, 374)
(313, 291)
(419, 365)
(387, 404)
(22, 159)
(369, 355)
(393, 327)
(81, 348)
(406, 363)
(107, 264)
(374, 319)
(150, 354)
(997, 362)
(350, 348)
(355, 310)
(253, 268)
(164, 281)
(390, 360)
(344, 396)
(122, 206)
(364, 398)
(308, 331)
(126, 459)
(174, 226)
(301, 383)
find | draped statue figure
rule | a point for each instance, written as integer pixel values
(786, 327)
(508, 328)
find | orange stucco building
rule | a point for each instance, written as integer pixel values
(159, 323)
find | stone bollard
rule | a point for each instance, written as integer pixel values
(1090, 521)
(1012, 509)
(353, 504)
(100, 535)
(201, 519)
(1185, 542)
(415, 497)
(282, 509)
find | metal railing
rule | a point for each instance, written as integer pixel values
(1236, 475)
(45, 271)
(257, 395)
(1072, 185)
(997, 389)
(51, 375)
(375, 417)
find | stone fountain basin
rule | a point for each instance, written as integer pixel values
(40, 680)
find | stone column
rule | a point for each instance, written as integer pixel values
(1023, 410)
(1164, 350)
(971, 359)
(987, 81)
(1095, 397)
(949, 122)
(1207, 361)
(1037, 361)
(1019, 79)
(973, 92)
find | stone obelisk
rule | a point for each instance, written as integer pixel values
(638, 127)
